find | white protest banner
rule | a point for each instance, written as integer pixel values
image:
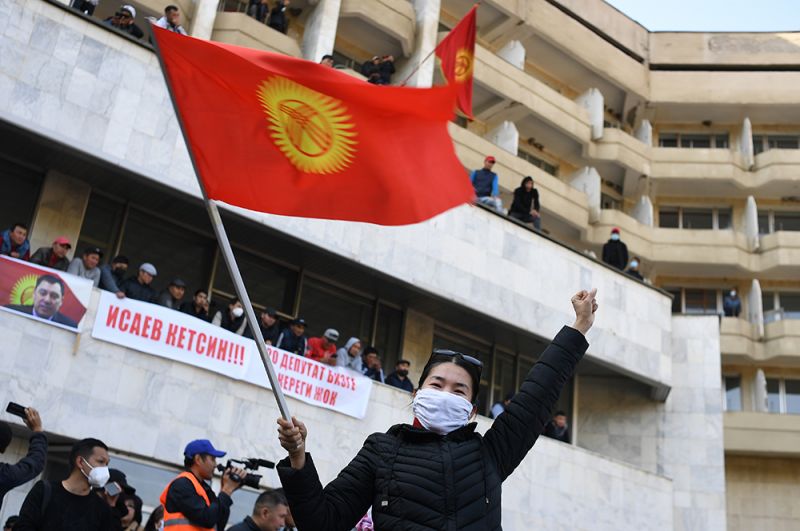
(47, 295)
(180, 337)
(171, 334)
(315, 383)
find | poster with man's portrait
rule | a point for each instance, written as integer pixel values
(44, 294)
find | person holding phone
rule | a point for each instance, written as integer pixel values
(30, 466)
(437, 472)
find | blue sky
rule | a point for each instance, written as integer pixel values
(713, 15)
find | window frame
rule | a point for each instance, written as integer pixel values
(725, 377)
(719, 140)
(718, 296)
(681, 210)
(782, 407)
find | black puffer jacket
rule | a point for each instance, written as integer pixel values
(417, 480)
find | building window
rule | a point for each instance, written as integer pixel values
(732, 389)
(770, 221)
(25, 185)
(327, 306)
(102, 224)
(694, 218)
(543, 165)
(344, 61)
(388, 335)
(762, 143)
(268, 283)
(780, 305)
(607, 202)
(694, 141)
(695, 301)
(783, 396)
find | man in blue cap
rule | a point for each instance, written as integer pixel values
(189, 503)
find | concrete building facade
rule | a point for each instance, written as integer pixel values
(687, 142)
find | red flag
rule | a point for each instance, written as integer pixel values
(282, 135)
(457, 53)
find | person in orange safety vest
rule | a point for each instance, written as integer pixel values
(189, 503)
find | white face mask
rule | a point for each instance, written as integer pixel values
(237, 312)
(440, 411)
(98, 476)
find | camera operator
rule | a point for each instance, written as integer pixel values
(32, 464)
(189, 503)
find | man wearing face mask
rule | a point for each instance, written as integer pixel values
(731, 304)
(615, 253)
(399, 378)
(70, 504)
(633, 269)
(231, 319)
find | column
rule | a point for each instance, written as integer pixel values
(514, 53)
(643, 211)
(644, 133)
(587, 180)
(417, 341)
(205, 12)
(760, 392)
(751, 224)
(320, 31)
(62, 205)
(505, 136)
(755, 309)
(592, 101)
(746, 144)
(427, 12)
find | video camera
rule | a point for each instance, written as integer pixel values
(252, 463)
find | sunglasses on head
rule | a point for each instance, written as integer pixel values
(453, 354)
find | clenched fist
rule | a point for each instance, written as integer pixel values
(585, 305)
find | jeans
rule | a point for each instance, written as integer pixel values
(493, 202)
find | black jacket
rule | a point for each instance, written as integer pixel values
(615, 253)
(43, 255)
(245, 525)
(291, 343)
(524, 201)
(25, 469)
(137, 291)
(188, 307)
(270, 333)
(415, 479)
(58, 317)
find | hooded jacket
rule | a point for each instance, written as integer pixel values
(524, 201)
(343, 359)
(415, 479)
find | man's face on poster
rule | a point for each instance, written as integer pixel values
(47, 299)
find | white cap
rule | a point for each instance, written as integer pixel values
(130, 9)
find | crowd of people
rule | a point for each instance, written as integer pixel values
(124, 18)
(275, 17)
(95, 497)
(114, 277)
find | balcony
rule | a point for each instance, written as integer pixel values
(618, 147)
(720, 172)
(242, 30)
(764, 434)
(366, 26)
(779, 348)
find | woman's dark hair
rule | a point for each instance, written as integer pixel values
(155, 516)
(472, 365)
(526, 179)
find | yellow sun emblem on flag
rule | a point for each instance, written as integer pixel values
(22, 290)
(313, 130)
(463, 66)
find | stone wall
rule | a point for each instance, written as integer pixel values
(762, 493)
(150, 407)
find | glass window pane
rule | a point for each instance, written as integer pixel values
(721, 141)
(268, 283)
(695, 141)
(149, 480)
(175, 251)
(668, 218)
(733, 393)
(701, 301)
(668, 140)
(676, 299)
(787, 221)
(773, 395)
(782, 142)
(758, 144)
(763, 223)
(101, 226)
(697, 218)
(245, 501)
(724, 217)
(326, 306)
(790, 302)
(388, 335)
(20, 205)
(504, 375)
(792, 396)
(767, 301)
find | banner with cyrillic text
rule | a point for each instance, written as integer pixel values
(44, 294)
(331, 387)
(171, 334)
(177, 336)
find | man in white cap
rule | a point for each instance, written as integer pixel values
(323, 349)
(139, 287)
(123, 20)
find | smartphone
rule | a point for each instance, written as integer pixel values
(16, 409)
(113, 488)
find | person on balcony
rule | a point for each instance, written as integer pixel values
(171, 20)
(277, 17)
(87, 265)
(14, 242)
(258, 9)
(525, 206)
(615, 252)
(633, 269)
(459, 485)
(54, 256)
(731, 304)
(485, 183)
